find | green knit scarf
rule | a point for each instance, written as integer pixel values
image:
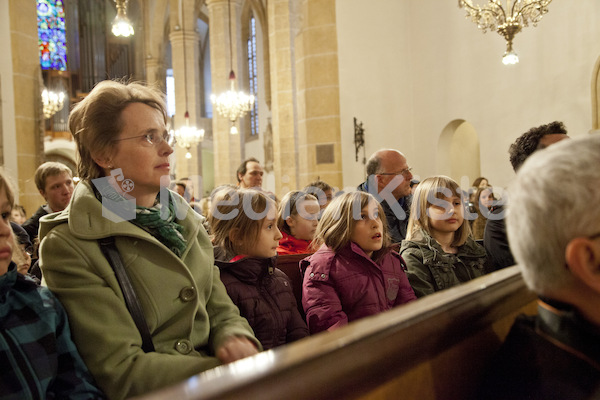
(164, 228)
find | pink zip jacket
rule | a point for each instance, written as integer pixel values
(348, 285)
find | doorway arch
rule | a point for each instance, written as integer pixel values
(458, 152)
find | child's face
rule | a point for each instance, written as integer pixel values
(18, 217)
(268, 238)
(6, 240)
(486, 198)
(304, 224)
(446, 215)
(368, 231)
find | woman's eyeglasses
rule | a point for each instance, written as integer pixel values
(153, 139)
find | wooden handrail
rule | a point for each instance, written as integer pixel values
(364, 355)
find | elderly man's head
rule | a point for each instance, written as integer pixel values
(390, 168)
(553, 224)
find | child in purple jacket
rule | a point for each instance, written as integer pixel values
(354, 273)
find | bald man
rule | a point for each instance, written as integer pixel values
(389, 181)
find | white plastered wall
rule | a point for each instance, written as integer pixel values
(408, 68)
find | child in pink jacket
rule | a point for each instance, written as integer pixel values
(354, 273)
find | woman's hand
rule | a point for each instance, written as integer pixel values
(236, 348)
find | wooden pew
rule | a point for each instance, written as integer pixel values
(290, 264)
(433, 348)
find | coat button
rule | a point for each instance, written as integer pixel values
(188, 293)
(312, 274)
(323, 276)
(183, 346)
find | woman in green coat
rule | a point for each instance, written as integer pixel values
(124, 149)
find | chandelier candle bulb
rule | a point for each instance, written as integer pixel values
(121, 25)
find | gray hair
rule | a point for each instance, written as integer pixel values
(552, 201)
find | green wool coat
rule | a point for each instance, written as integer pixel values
(186, 306)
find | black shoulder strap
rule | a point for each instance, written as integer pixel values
(109, 249)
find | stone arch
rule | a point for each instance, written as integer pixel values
(458, 152)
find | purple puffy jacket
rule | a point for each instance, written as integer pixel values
(348, 285)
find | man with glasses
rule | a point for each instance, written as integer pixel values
(555, 238)
(388, 179)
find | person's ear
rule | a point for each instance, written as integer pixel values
(236, 239)
(290, 221)
(43, 193)
(103, 162)
(583, 259)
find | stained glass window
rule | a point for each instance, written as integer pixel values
(252, 76)
(51, 34)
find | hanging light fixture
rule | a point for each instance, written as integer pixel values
(121, 25)
(232, 104)
(507, 21)
(187, 135)
(52, 102)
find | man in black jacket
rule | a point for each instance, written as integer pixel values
(55, 184)
(555, 237)
(494, 238)
(388, 179)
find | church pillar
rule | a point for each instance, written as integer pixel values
(282, 96)
(227, 147)
(316, 58)
(186, 73)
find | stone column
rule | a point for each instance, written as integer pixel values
(155, 71)
(186, 73)
(282, 96)
(227, 147)
(316, 58)
(23, 137)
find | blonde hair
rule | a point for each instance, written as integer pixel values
(339, 219)
(289, 207)
(8, 189)
(236, 218)
(435, 187)
(96, 120)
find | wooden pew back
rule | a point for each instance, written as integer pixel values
(290, 264)
(433, 348)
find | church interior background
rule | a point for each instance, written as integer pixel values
(414, 75)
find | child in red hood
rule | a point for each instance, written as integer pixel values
(297, 220)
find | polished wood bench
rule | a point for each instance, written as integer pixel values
(433, 348)
(290, 265)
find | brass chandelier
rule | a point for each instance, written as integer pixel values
(121, 25)
(232, 104)
(52, 102)
(507, 21)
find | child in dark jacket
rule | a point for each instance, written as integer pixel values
(297, 220)
(439, 250)
(38, 358)
(354, 273)
(243, 224)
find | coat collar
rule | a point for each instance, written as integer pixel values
(249, 269)
(89, 223)
(424, 241)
